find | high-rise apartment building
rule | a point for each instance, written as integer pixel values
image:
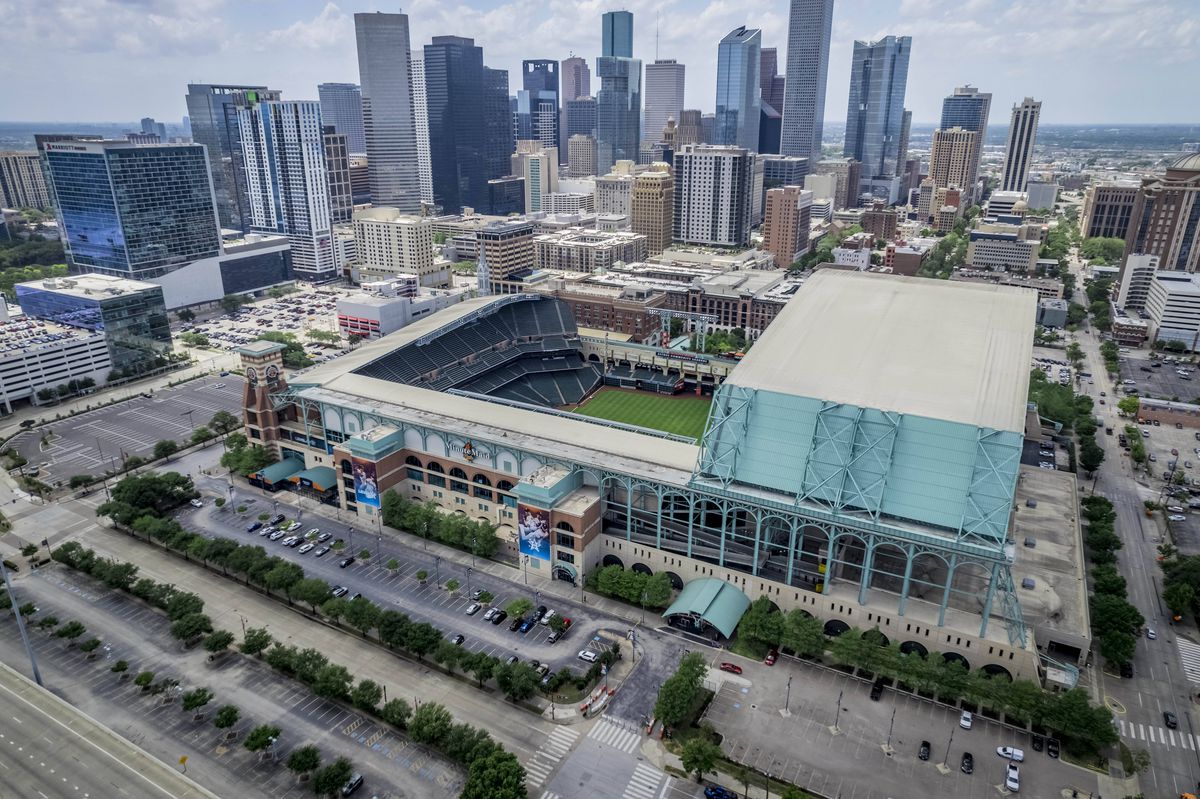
(809, 25)
(875, 112)
(1165, 220)
(652, 206)
(618, 110)
(618, 34)
(1022, 136)
(664, 96)
(213, 110)
(130, 210)
(848, 174)
(786, 223)
(341, 108)
(337, 173)
(738, 104)
(22, 181)
(388, 243)
(421, 126)
(1108, 209)
(538, 165)
(968, 108)
(498, 141)
(389, 126)
(951, 157)
(153, 128)
(581, 158)
(614, 191)
(284, 152)
(713, 195)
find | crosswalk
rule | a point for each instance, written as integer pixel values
(1156, 735)
(613, 734)
(647, 782)
(549, 795)
(1189, 657)
(545, 759)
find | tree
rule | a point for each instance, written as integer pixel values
(483, 666)
(518, 681)
(120, 667)
(165, 449)
(452, 585)
(1117, 646)
(304, 761)
(803, 634)
(294, 356)
(224, 422)
(226, 717)
(194, 700)
(362, 614)
(333, 682)
(143, 679)
(1179, 597)
(761, 622)
(497, 775)
(518, 607)
(255, 641)
(48, 622)
(89, 646)
(366, 695)
(311, 590)
(218, 641)
(191, 627)
(700, 755)
(70, 631)
(335, 608)
(1111, 613)
(448, 654)
(423, 638)
(261, 737)
(430, 724)
(331, 778)
(1129, 406)
(283, 576)
(201, 434)
(396, 712)
(1090, 454)
(183, 604)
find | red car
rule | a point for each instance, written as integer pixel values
(772, 656)
(732, 668)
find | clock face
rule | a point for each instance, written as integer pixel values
(272, 374)
(252, 375)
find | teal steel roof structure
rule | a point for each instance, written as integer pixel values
(278, 472)
(712, 600)
(322, 478)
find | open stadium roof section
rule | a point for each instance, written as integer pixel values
(932, 348)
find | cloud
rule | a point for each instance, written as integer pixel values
(330, 29)
(127, 27)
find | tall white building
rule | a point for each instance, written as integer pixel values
(1022, 136)
(810, 23)
(614, 191)
(421, 122)
(388, 243)
(539, 166)
(284, 155)
(664, 96)
(389, 127)
(714, 188)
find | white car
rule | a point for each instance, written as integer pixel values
(287, 542)
(304, 550)
(1015, 755)
(1177, 517)
(490, 614)
(292, 527)
(965, 720)
(313, 533)
(1012, 778)
(1150, 633)
(587, 655)
(195, 503)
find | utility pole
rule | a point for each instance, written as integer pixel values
(16, 609)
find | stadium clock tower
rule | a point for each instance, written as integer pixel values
(262, 362)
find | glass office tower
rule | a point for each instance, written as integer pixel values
(341, 107)
(875, 107)
(738, 92)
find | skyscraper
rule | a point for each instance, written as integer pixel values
(968, 108)
(1022, 136)
(337, 173)
(950, 157)
(286, 174)
(771, 85)
(809, 26)
(618, 110)
(1165, 218)
(150, 126)
(539, 167)
(875, 112)
(618, 34)
(421, 125)
(664, 96)
(652, 207)
(576, 78)
(690, 127)
(786, 223)
(22, 181)
(389, 128)
(341, 107)
(738, 104)
(713, 195)
(538, 102)
(130, 210)
(498, 141)
(212, 109)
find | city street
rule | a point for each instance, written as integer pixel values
(1160, 682)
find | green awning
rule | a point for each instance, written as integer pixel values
(712, 600)
(322, 478)
(278, 472)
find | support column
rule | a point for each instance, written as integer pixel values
(757, 542)
(791, 556)
(946, 589)
(908, 564)
(691, 524)
(658, 521)
(987, 603)
(864, 583)
(628, 510)
(724, 532)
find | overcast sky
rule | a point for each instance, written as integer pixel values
(1104, 61)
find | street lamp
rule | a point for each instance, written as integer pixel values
(643, 606)
(469, 570)
(437, 563)
(947, 756)
(525, 562)
(474, 543)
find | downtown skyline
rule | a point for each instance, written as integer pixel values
(1084, 61)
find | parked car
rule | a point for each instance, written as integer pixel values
(478, 592)
(968, 763)
(266, 531)
(490, 614)
(541, 611)
(1150, 633)
(546, 617)
(1017, 755)
(526, 625)
(473, 608)
(1012, 778)
(587, 655)
(965, 720)
(718, 792)
(458, 639)
(321, 551)
(1170, 720)
(292, 526)
(323, 537)
(511, 660)
(278, 534)
(923, 752)
(516, 624)
(346, 561)
(771, 657)
(340, 590)
(877, 690)
(1038, 742)
(277, 518)
(500, 616)
(352, 785)
(732, 668)
(313, 533)
(195, 503)
(1052, 747)
(254, 526)
(1127, 671)
(1177, 517)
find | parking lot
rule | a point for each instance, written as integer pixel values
(297, 313)
(1159, 379)
(98, 440)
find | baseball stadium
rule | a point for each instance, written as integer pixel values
(862, 462)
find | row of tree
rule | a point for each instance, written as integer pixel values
(1083, 728)
(634, 587)
(242, 457)
(427, 521)
(1115, 621)
(678, 695)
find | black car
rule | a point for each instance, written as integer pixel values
(352, 785)
(346, 561)
(1038, 743)
(923, 752)
(877, 690)
(253, 526)
(1052, 747)
(457, 640)
(541, 611)
(1127, 671)
(1170, 720)
(516, 624)
(968, 763)
(276, 519)
(499, 617)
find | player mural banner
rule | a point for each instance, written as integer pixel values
(533, 528)
(366, 488)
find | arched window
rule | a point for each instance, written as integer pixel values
(412, 460)
(504, 485)
(482, 480)
(346, 467)
(459, 473)
(434, 466)
(565, 527)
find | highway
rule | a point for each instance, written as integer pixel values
(1159, 682)
(49, 749)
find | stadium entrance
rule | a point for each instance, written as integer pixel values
(565, 573)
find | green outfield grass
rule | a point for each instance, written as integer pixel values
(684, 415)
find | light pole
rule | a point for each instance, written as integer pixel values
(525, 562)
(474, 543)
(643, 606)
(469, 570)
(887, 748)
(787, 701)
(947, 756)
(837, 716)
(437, 569)
(191, 424)
(37, 675)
